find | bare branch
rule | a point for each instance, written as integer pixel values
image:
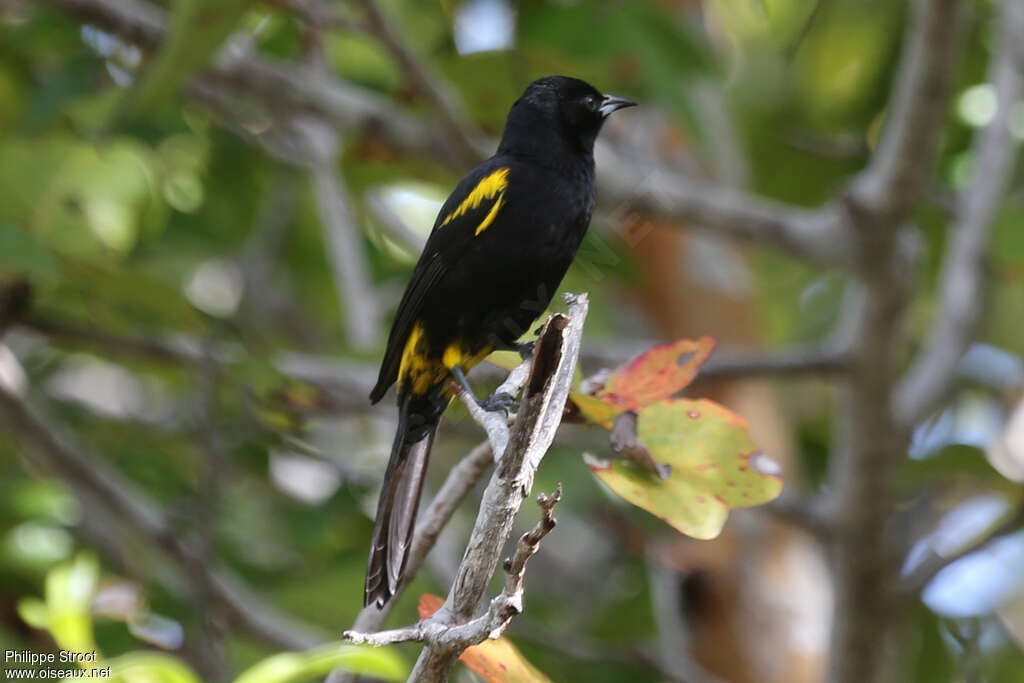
(344, 387)
(933, 372)
(784, 363)
(502, 609)
(182, 352)
(495, 423)
(540, 413)
(727, 362)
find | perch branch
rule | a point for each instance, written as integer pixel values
(460, 481)
(501, 610)
(495, 423)
(540, 413)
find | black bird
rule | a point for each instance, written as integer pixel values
(498, 251)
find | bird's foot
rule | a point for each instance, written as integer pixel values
(501, 401)
(525, 349)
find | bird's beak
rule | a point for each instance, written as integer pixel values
(614, 103)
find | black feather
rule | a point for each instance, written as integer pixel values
(498, 251)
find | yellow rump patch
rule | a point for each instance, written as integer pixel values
(419, 372)
(493, 185)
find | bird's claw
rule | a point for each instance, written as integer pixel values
(525, 349)
(498, 402)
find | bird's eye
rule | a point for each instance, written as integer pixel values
(590, 102)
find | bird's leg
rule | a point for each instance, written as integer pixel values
(524, 349)
(493, 403)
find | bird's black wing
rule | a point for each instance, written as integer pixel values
(469, 210)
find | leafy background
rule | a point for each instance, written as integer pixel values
(136, 212)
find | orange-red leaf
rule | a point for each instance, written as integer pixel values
(656, 374)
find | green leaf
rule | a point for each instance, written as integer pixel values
(22, 254)
(69, 592)
(80, 198)
(197, 30)
(715, 467)
(299, 666)
(34, 612)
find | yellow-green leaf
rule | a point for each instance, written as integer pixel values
(300, 666)
(715, 467)
(151, 667)
(69, 592)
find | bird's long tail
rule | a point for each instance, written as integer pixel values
(397, 507)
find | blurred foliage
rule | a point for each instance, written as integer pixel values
(72, 602)
(132, 212)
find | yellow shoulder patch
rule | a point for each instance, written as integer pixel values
(491, 187)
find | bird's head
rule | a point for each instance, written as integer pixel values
(571, 109)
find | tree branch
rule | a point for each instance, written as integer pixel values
(814, 234)
(899, 169)
(456, 129)
(495, 423)
(90, 477)
(962, 278)
(868, 612)
(540, 413)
